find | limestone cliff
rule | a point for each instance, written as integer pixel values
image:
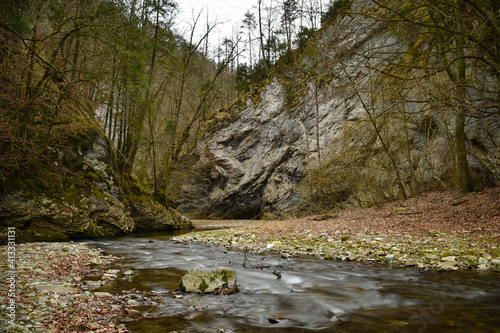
(86, 198)
(331, 115)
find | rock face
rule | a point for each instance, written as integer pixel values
(204, 281)
(321, 118)
(251, 163)
(88, 199)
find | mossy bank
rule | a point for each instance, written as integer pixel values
(78, 192)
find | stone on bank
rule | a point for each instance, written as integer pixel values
(205, 281)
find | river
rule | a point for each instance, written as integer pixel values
(312, 295)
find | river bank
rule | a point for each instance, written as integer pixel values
(54, 287)
(442, 231)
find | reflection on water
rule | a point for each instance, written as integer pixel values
(312, 295)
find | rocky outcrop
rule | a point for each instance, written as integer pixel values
(87, 199)
(204, 281)
(251, 164)
(320, 119)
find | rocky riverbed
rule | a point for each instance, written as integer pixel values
(442, 231)
(55, 290)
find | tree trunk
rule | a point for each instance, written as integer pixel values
(464, 178)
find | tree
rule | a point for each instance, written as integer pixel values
(458, 38)
(249, 24)
(261, 38)
(290, 10)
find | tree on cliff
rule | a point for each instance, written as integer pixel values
(459, 38)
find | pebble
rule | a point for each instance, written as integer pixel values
(389, 257)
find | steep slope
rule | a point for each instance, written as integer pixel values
(330, 130)
(80, 194)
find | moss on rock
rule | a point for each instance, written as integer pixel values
(205, 281)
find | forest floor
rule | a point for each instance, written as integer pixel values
(437, 230)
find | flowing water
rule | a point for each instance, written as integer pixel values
(312, 295)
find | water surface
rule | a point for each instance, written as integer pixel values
(312, 295)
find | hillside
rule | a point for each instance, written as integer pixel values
(369, 111)
(61, 176)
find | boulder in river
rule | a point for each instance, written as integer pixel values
(205, 281)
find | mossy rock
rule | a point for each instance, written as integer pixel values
(205, 281)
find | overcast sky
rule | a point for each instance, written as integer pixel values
(229, 12)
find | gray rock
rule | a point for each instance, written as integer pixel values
(495, 265)
(352, 256)
(204, 281)
(53, 288)
(450, 265)
(390, 257)
(483, 261)
(482, 267)
(102, 294)
(411, 262)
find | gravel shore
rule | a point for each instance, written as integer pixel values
(54, 287)
(442, 231)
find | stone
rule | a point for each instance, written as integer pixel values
(132, 302)
(450, 265)
(273, 244)
(495, 265)
(352, 256)
(39, 271)
(430, 258)
(482, 267)
(53, 288)
(345, 238)
(205, 281)
(102, 294)
(389, 258)
(449, 258)
(483, 261)
(109, 276)
(411, 262)
(435, 233)
(93, 326)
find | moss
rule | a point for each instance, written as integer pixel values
(96, 232)
(40, 235)
(203, 285)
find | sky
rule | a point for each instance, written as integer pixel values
(229, 12)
